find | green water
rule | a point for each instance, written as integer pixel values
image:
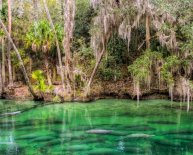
(104, 127)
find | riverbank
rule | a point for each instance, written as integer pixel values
(100, 90)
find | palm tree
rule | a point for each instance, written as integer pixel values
(41, 38)
(57, 43)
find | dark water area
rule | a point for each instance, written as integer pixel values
(104, 127)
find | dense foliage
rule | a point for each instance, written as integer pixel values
(150, 41)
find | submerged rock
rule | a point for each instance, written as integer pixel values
(99, 131)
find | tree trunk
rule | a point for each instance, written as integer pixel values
(20, 60)
(30, 65)
(148, 32)
(138, 92)
(3, 64)
(57, 43)
(1, 4)
(1, 83)
(188, 97)
(69, 15)
(9, 44)
(36, 12)
(14, 73)
(94, 72)
(54, 74)
(47, 71)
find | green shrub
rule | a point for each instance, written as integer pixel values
(40, 85)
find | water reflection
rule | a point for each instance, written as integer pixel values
(106, 127)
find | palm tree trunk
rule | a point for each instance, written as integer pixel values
(47, 70)
(20, 60)
(57, 43)
(9, 44)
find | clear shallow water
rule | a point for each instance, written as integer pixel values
(104, 127)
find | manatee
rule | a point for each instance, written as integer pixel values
(11, 113)
(167, 143)
(103, 151)
(162, 122)
(99, 131)
(139, 135)
(7, 143)
(43, 139)
(180, 132)
(26, 137)
(93, 140)
(77, 148)
(133, 150)
(139, 128)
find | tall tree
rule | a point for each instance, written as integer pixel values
(69, 15)
(57, 43)
(3, 63)
(9, 44)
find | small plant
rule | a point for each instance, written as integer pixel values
(57, 99)
(40, 86)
